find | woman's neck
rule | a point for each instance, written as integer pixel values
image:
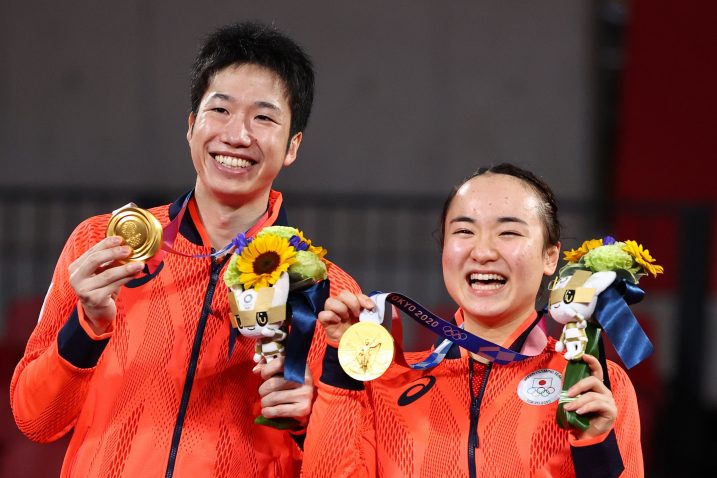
(222, 222)
(497, 332)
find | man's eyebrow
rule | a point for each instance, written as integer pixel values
(230, 98)
(220, 96)
(267, 104)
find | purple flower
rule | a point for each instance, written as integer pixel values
(297, 243)
(240, 242)
(608, 240)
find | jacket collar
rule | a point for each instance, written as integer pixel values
(190, 226)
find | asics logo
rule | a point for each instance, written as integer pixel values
(417, 390)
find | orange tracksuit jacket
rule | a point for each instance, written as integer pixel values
(158, 395)
(462, 419)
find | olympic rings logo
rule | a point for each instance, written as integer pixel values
(541, 391)
(454, 334)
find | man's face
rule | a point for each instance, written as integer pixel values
(238, 138)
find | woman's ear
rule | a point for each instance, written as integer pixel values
(551, 257)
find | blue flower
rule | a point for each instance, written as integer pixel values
(240, 242)
(608, 241)
(298, 244)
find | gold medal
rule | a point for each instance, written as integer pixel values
(366, 351)
(139, 229)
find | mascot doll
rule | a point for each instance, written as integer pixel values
(592, 293)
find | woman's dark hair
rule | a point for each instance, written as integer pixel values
(549, 207)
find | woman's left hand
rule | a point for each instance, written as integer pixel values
(595, 398)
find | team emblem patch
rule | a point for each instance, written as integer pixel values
(541, 387)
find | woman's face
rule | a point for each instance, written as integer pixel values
(493, 253)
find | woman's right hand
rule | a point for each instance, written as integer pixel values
(341, 312)
(96, 277)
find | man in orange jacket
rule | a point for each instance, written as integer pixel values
(134, 359)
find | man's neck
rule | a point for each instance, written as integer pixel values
(222, 222)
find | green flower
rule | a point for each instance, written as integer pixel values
(608, 258)
(282, 231)
(613, 258)
(307, 266)
(232, 274)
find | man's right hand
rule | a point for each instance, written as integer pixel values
(341, 312)
(96, 276)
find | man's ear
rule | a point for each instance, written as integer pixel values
(551, 258)
(293, 149)
(190, 123)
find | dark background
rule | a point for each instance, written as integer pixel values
(612, 102)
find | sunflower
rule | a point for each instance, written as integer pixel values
(264, 260)
(319, 251)
(574, 255)
(642, 257)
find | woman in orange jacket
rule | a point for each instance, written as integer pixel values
(467, 416)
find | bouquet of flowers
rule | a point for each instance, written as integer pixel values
(276, 279)
(592, 292)
(628, 259)
(261, 274)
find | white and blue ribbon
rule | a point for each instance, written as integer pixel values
(451, 333)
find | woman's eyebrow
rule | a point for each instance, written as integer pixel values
(462, 219)
(507, 219)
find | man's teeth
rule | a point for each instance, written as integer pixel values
(487, 281)
(232, 162)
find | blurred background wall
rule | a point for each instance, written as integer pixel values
(611, 101)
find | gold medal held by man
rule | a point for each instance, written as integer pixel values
(366, 351)
(139, 229)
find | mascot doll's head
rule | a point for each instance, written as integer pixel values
(260, 312)
(574, 296)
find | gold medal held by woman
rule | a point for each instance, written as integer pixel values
(366, 351)
(139, 229)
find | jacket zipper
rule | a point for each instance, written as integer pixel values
(473, 440)
(194, 358)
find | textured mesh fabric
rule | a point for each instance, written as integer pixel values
(377, 433)
(123, 411)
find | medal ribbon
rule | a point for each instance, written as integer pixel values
(620, 325)
(305, 306)
(170, 231)
(451, 333)
(302, 300)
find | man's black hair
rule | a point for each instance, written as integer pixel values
(263, 45)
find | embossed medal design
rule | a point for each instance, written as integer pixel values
(366, 351)
(139, 229)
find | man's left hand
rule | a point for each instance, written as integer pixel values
(284, 398)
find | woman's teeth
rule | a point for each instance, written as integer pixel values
(486, 281)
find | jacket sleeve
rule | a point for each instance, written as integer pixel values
(50, 384)
(627, 426)
(338, 280)
(619, 452)
(340, 441)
